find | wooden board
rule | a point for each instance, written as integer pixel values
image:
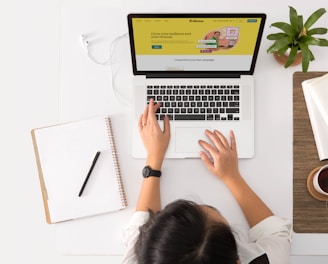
(310, 215)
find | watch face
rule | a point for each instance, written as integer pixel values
(146, 171)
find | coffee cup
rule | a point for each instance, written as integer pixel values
(320, 180)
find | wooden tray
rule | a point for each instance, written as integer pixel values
(310, 215)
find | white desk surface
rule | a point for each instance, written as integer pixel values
(57, 82)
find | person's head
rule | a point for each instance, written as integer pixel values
(185, 232)
(217, 33)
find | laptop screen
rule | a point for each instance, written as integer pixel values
(195, 42)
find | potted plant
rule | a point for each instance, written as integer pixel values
(296, 37)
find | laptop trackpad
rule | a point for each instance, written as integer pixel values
(187, 139)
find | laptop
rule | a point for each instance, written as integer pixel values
(200, 68)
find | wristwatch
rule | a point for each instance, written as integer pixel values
(148, 172)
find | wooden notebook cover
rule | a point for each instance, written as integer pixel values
(42, 184)
(309, 214)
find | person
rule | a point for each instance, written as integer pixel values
(186, 232)
(216, 37)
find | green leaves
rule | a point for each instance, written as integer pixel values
(314, 31)
(296, 21)
(308, 40)
(288, 29)
(297, 36)
(276, 36)
(292, 56)
(306, 57)
(293, 17)
(314, 17)
(282, 43)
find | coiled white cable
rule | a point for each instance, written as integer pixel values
(121, 74)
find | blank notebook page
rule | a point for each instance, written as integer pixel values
(66, 153)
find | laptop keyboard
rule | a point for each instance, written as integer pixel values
(196, 102)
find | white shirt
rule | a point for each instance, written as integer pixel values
(271, 237)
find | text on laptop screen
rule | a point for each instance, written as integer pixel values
(195, 44)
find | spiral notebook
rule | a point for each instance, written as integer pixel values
(64, 155)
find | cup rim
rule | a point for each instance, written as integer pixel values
(316, 180)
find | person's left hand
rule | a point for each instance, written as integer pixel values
(154, 139)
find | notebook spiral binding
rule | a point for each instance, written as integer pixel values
(116, 163)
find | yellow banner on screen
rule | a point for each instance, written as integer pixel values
(195, 36)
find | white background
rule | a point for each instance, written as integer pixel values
(30, 97)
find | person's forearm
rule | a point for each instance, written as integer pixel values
(149, 197)
(156, 141)
(254, 209)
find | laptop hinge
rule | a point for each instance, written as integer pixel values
(193, 75)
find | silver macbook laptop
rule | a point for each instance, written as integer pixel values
(200, 68)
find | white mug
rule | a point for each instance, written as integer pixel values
(320, 180)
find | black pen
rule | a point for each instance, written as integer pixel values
(89, 173)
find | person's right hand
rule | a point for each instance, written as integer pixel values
(220, 157)
(154, 139)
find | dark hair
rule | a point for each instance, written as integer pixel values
(181, 234)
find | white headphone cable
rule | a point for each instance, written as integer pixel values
(110, 61)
